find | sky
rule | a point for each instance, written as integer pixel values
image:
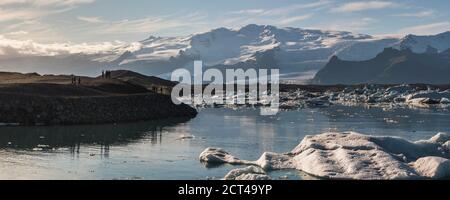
(96, 21)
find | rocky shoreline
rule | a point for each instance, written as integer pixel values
(125, 96)
(44, 110)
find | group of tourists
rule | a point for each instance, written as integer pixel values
(76, 80)
(106, 74)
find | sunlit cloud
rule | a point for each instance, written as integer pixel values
(145, 25)
(421, 14)
(18, 33)
(427, 29)
(247, 12)
(10, 47)
(296, 7)
(32, 9)
(295, 19)
(90, 19)
(282, 11)
(363, 5)
(44, 2)
(353, 25)
(281, 16)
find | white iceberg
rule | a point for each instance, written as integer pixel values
(351, 155)
(432, 167)
(218, 156)
(428, 97)
(248, 173)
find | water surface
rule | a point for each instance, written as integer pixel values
(156, 150)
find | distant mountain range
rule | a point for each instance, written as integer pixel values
(392, 66)
(294, 51)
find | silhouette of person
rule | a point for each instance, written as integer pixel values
(79, 80)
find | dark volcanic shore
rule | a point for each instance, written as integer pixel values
(32, 99)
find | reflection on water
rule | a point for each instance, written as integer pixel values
(169, 149)
(73, 138)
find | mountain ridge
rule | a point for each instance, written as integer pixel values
(392, 66)
(292, 50)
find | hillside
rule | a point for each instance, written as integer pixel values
(33, 99)
(121, 82)
(392, 66)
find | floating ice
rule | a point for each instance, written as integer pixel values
(433, 167)
(248, 173)
(185, 137)
(445, 101)
(218, 156)
(351, 155)
(399, 95)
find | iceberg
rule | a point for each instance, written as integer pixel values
(248, 173)
(428, 97)
(350, 155)
(218, 156)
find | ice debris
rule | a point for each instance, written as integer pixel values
(408, 95)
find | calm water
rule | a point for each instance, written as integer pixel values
(154, 150)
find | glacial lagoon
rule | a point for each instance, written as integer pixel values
(169, 149)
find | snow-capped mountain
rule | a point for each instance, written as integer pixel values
(290, 49)
(293, 50)
(229, 46)
(420, 44)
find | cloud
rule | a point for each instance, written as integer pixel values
(422, 14)
(60, 2)
(8, 15)
(18, 33)
(44, 2)
(98, 29)
(294, 19)
(28, 16)
(283, 16)
(90, 19)
(354, 25)
(281, 11)
(363, 5)
(247, 12)
(36, 30)
(427, 29)
(292, 8)
(146, 25)
(32, 9)
(29, 47)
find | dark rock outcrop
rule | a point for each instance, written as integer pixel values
(46, 110)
